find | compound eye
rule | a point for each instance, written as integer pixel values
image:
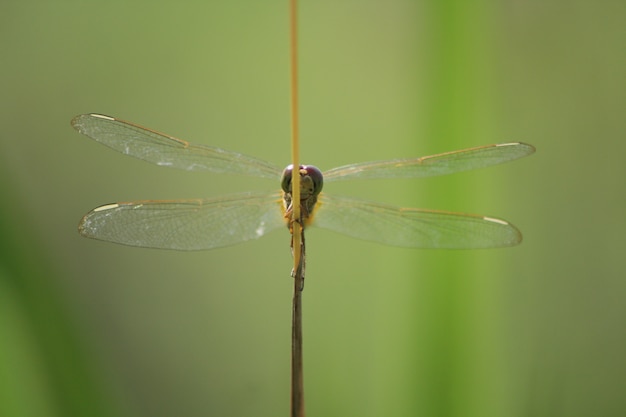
(316, 176)
(285, 180)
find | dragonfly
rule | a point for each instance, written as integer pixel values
(198, 224)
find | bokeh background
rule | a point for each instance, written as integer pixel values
(94, 329)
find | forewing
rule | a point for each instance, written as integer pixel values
(427, 166)
(164, 150)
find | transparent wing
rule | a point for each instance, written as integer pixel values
(413, 228)
(427, 166)
(186, 224)
(165, 150)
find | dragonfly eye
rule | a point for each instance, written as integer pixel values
(285, 180)
(315, 175)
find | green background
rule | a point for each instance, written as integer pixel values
(93, 329)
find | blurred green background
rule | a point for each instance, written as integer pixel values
(94, 329)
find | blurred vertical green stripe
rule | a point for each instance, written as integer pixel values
(457, 102)
(44, 370)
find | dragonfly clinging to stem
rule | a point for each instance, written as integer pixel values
(216, 222)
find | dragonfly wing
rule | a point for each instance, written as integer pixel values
(185, 224)
(413, 228)
(428, 166)
(165, 150)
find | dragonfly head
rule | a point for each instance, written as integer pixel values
(311, 181)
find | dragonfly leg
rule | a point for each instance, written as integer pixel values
(298, 273)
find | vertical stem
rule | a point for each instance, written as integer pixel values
(297, 380)
(295, 144)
